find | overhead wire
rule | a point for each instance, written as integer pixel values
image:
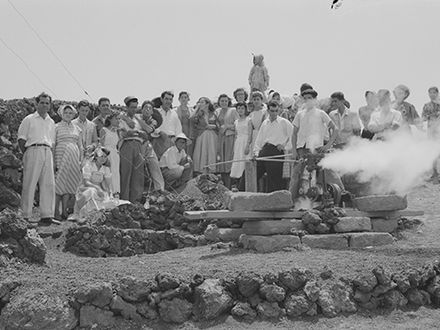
(50, 50)
(27, 67)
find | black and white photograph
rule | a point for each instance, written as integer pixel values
(219, 164)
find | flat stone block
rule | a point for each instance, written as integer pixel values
(328, 241)
(361, 240)
(266, 244)
(381, 203)
(271, 227)
(350, 224)
(248, 201)
(384, 225)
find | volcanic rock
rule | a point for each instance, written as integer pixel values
(267, 310)
(33, 246)
(335, 298)
(298, 304)
(134, 290)
(175, 311)
(90, 316)
(272, 292)
(294, 279)
(418, 297)
(311, 289)
(97, 294)
(248, 283)
(119, 307)
(211, 300)
(12, 225)
(38, 310)
(381, 275)
(167, 281)
(394, 299)
(244, 311)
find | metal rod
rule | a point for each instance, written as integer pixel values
(267, 158)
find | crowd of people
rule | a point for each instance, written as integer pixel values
(118, 155)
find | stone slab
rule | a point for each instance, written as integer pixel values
(328, 241)
(266, 244)
(362, 240)
(271, 227)
(223, 234)
(384, 225)
(249, 201)
(381, 203)
(353, 224)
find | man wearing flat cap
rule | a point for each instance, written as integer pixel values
(347, 122)
(132, 163)
(310, 128)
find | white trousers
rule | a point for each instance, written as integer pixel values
(38, 168)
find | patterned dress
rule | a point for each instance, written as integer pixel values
(226, 138)
(431, 114)
(205, 148)
(67, 158)
(409, 114)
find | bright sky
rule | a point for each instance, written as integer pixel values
(117, 48)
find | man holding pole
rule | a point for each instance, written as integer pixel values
(274, 137)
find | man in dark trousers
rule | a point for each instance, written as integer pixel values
(274, 137)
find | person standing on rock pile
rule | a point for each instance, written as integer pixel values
(36, 138)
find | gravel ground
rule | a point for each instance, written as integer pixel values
(65, 271)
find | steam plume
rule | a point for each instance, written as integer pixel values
(392, 166)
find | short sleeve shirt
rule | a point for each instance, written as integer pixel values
(312, 126)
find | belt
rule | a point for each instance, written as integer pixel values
(138, 139)
(39, 145)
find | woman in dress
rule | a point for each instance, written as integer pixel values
(409, 113)
(205, 125)
(67, 160)
(243, 129)
(184, 112)
(226, 117)
(94, 192)
(110, 140)
(257, 116)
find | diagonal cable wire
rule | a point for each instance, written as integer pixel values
(27, 67)
(50, 49)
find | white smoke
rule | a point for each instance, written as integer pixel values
(392, 166)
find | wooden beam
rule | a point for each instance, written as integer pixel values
(250, 173)
(252, 215)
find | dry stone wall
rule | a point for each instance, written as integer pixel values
(247, 297)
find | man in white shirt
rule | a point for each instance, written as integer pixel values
(176, 166)
(89, 135)
(171, 125)
(310, 129)
(272, 140)
(386, 119)
(347, 122)
(36, 138)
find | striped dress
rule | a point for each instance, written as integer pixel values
(67, 158)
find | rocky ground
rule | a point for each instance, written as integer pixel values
(65, 272)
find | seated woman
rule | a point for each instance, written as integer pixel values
(175, 164)
(94, 192)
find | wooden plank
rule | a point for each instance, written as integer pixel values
(250, 172)
(251, 215)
